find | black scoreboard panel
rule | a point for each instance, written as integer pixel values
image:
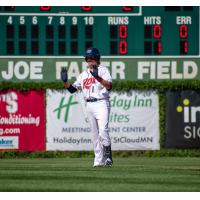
(115, 30)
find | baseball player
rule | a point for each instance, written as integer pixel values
(95, 83)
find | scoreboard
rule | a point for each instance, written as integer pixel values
(115, 30)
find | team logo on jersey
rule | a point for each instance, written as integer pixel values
(88, 82)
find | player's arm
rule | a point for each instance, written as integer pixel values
(70, 87)
(105, 83)
(67, 85)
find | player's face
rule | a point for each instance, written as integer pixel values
(91, 62)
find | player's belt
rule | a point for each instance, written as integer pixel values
(94, 99)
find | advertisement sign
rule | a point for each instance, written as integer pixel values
(10, 142)
(43, 69)
(183, 119)
(22, 120)
(134, 121)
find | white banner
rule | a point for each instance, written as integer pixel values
(9, 142)
(134, 121)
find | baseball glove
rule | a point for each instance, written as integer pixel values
(64, 75)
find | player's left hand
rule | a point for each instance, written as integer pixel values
(94, 71)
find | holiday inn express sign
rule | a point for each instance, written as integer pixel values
(47, 69)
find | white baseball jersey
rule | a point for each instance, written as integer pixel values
(90, 86)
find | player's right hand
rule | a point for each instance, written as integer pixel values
(64, 75)
(94, 71)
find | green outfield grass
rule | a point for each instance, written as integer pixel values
(76, 174)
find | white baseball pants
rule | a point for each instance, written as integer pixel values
(98, 115)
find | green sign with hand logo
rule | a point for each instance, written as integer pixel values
(133, 122)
